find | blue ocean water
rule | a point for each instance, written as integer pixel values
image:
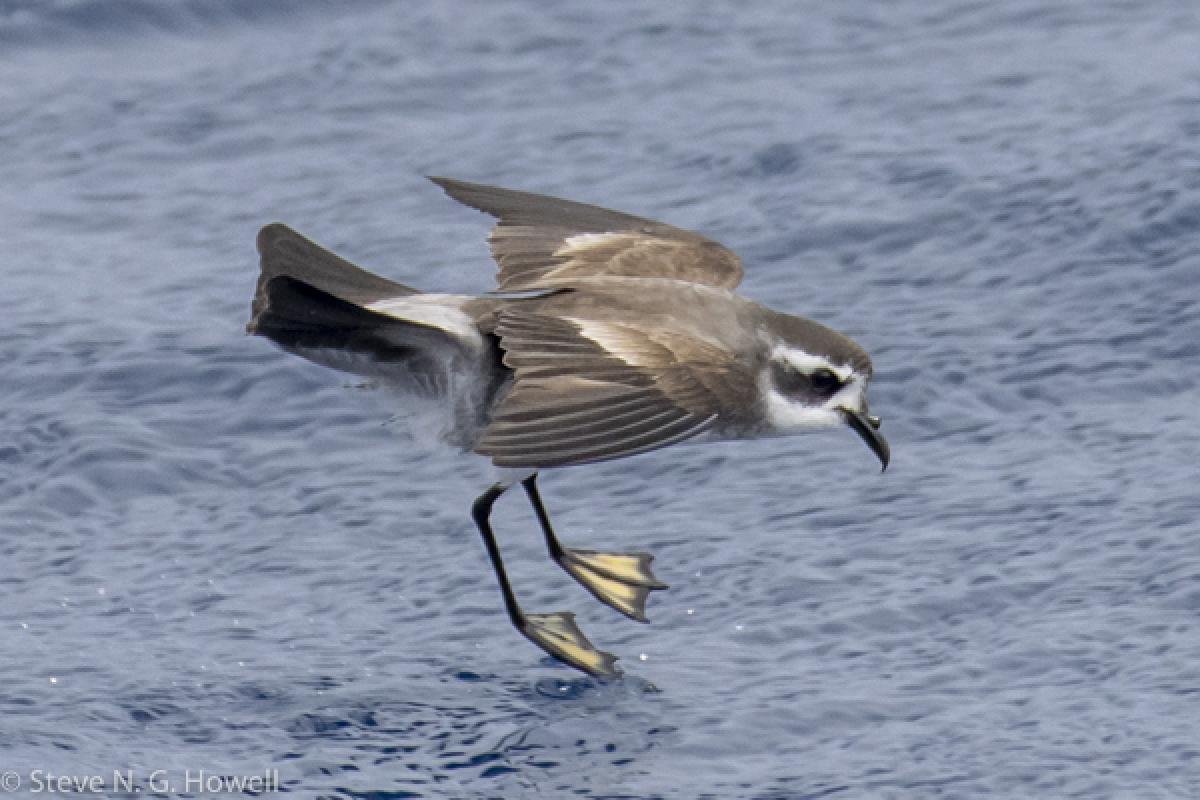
(215, 556)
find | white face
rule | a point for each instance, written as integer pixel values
(804, 391)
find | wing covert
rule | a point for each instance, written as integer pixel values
(587, 391)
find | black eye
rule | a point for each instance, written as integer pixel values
(823, 380)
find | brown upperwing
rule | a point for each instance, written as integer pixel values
(541, 242)
(591, 388)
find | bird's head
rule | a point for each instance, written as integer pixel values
(815, 377)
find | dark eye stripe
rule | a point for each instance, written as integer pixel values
(821, 382)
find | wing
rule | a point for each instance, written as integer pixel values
(588, 391)
(542, 241)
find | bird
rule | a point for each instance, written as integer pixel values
(607, 335)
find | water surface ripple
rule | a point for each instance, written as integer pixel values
(216, 556)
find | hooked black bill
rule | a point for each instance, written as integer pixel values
(867, 427)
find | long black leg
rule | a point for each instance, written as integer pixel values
(535, 499)
(555, 632)
(619, 580)
(481, 510)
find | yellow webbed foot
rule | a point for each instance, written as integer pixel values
(558, 635)
(620, 580)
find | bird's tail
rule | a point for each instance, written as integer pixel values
(322, 307)
(289, 260)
